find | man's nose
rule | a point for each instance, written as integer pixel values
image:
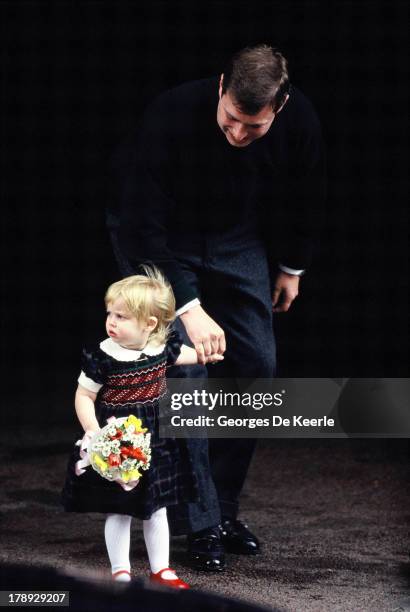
(239, 132)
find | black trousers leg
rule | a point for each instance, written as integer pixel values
(230, 459)
(237, 294)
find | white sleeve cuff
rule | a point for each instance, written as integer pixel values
(291, 270)
(187, 306)
(88, 383)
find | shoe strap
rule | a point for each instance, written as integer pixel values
(121, 572)
(166, 569)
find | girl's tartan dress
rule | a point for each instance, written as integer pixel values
(132, 382)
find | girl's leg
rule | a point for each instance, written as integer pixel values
(156, 535)
(117, 538)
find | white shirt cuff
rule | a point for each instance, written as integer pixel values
(88, 383)
(187, 306)
(291, 270)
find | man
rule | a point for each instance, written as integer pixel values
(224, 194)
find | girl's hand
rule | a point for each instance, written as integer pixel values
(189, 356)
(93, 431)
(214, 358)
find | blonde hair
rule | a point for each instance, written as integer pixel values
(146, 296)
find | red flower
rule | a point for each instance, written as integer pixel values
(136, 453)
(117, 435)
(114, 460)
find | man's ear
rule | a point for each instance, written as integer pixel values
(283, 104)
(221, 80)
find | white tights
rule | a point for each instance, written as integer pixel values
(156, 536)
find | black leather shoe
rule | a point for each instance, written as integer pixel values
(237, 538)
(206, 551)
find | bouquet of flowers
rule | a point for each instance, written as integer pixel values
(118, 451)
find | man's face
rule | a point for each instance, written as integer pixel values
(241, 129)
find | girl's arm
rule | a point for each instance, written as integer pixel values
(84, 407)
(189, 356)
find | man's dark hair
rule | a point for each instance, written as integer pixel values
(255, 77)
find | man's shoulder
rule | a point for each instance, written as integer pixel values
(190, 94)
(299, 110)
(179, 113)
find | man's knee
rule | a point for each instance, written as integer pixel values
(261, 364)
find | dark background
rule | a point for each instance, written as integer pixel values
(75, 79)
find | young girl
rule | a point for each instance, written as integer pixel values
(125, 375)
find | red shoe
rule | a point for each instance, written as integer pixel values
(174, 583)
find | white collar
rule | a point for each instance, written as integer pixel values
(120, 353)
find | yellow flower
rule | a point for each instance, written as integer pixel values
(134, 474)
(100, 462)
(130, 475)
(132, 420)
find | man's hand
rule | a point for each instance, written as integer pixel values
(206, 335)
(285, 291)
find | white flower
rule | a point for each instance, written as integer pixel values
(128, 464)
(138, 440)
(106, 450)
